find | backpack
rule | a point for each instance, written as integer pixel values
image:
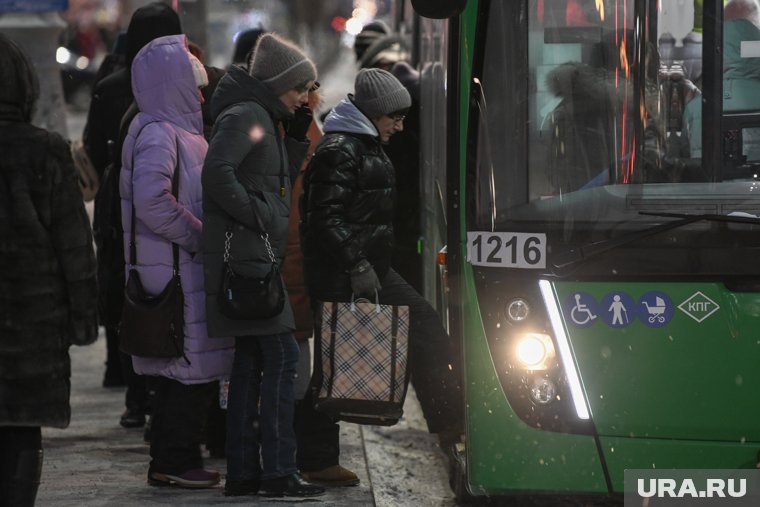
(106, 221)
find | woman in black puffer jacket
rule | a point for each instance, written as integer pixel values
(350, 195)
(347, 213)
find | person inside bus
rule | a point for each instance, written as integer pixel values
(741, 74)
(741, 77)
(347, 209)
(582, 146)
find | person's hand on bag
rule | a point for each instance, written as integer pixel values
(364, 281)
(298, 126)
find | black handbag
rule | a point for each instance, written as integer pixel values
(153, 326)
(244, 298)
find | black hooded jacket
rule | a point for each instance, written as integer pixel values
(47, 263)
(347, 205)
(110, 101)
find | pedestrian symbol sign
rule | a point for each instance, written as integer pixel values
(618, 309)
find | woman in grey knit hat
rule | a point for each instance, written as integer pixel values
(347, 210)
(247, 178)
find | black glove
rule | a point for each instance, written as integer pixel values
(299, 124)
(364, 281)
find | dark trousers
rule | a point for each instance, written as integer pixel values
(137, 398)
(179, 415)
(113, 354)
(15, 440)
(434, 375)
(20, 465)
(261, 441)
(215, 431)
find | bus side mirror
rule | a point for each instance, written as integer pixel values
(439, 9)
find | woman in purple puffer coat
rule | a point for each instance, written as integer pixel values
(167, 136)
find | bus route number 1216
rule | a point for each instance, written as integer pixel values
(507, 249)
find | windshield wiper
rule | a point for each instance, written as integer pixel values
(580, 254)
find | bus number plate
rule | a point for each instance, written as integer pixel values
(507, 249)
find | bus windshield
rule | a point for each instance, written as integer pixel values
(595, 115)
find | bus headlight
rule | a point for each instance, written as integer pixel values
(535, 351)
(543, 390)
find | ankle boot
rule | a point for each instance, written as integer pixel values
(25, 479)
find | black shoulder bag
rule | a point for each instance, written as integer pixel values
(251, 298)
(153, 326)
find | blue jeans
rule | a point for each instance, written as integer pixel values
(260, 408)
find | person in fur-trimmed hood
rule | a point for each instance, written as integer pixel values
(347, 209)
(48, 292)
(165, 141)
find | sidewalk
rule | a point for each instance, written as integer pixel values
(96, 462)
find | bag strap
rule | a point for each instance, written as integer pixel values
(228, 239)
(175, 193)
(394, 351)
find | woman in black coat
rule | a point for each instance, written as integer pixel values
(347, 210)
(47, 279)
(246, 198)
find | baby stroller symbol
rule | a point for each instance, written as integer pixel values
(656, 312)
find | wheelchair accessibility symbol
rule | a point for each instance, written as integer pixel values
(581, 310)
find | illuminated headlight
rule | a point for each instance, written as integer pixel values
(535, 351)
(518, 310)
(62, 55)
(543, 390)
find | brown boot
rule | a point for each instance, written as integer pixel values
(332, 476)
(449, 438)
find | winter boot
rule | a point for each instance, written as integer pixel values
(333, 476)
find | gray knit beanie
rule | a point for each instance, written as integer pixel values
(280, 64)
(377, 92)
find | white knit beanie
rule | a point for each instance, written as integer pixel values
(377, 92)
(280, 64)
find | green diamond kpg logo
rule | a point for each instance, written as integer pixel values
(699, 306)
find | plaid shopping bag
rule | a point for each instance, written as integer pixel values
(360, 361)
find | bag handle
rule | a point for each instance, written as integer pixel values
(175, 193)
(355, 300)
(228, 239)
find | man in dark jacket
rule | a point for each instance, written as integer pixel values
(110, 101)
(347, 211)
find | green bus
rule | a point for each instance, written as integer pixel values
(591, 208)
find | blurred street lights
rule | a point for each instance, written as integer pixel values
(35, 25)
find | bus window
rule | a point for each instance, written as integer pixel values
(741, 70)
(580, 61)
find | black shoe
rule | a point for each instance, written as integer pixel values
(132, 419)
(240, 488)
(290, 485)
